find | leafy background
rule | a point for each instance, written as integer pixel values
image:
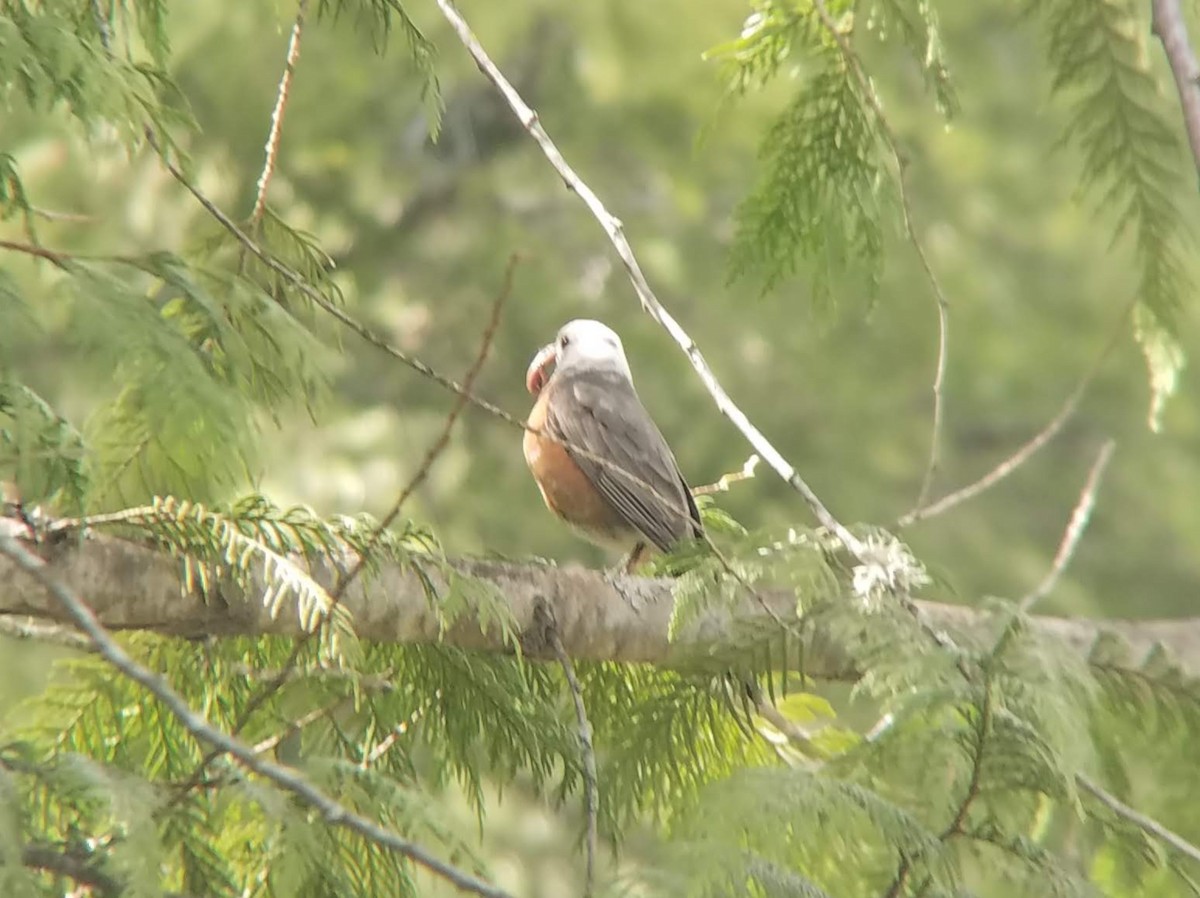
(832, 358)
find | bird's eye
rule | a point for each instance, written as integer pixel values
(565, 341)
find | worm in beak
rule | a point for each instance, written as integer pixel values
(538, 374)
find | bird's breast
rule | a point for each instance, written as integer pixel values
(566, 489)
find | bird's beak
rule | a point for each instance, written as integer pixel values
(536, 376)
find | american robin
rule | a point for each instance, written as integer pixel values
(600, 462)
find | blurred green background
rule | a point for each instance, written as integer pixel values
(422, 233)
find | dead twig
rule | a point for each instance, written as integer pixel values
(1075, 528)
(281, 101)
(722, 485)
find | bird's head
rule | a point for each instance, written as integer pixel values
(581, 344)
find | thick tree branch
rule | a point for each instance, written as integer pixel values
(624, 619)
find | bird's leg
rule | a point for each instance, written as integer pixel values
(626, 568)
(634, 559)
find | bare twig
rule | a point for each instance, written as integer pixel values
(102, 26)
(767, 710)
(32, 630)
(55, 215)
(1138, 819)
(1075, 528)
(942, 305)
(1169, 24)
(281, 777)
(722, 485)
(305, 720)
(1036, 442)
(443, 438)
(30, 249)
(281, 99)
(61, 861)
(587, 751)
(314, 296)
(613, 228)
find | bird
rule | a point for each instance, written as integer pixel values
(599, 461)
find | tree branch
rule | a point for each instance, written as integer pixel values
(622, 619)
(1138, 819)
(1080, 517)
(271, 150)
(1169, 25)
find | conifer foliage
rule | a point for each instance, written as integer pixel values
(991, 759)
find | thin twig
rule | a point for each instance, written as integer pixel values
(313, 295)
(282, 777)
(32, 630)
(55, 215)
(613, 228)
(30, 249)
(768, 711)
(443, 438)
(102, 26)
(1036, 442)
(1075, 528)
(1137, 818)
(942, 305)
(295, 726)
(722, 485)
(83, 869)
(281, 100)
(1168, 23)
(587, 750)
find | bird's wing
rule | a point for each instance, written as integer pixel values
(601, 414)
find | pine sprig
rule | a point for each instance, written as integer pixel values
(52, 54)
(1131, 160)
(378, 17)
(915, 24)
(14, 200)
(817, 198)
(41, 451)
(253, 540)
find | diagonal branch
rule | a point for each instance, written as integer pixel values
(281, 100)
(282, 777)
(1075, 528)
(1168, 23)
(1137, 818)
(613, 228)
